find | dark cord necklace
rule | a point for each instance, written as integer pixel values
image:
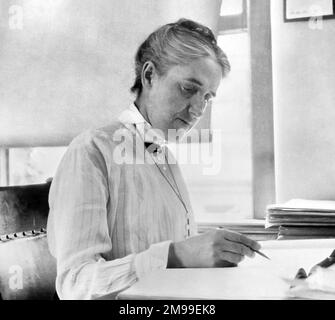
(150, 147)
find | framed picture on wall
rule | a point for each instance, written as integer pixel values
(300, 10)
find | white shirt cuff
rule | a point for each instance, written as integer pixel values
(154, 258)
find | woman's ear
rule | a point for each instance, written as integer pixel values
(148, 72)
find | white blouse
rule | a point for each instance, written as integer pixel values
(111, 222)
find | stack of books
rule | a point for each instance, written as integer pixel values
(302, 219)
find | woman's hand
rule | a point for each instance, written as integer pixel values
(216, 248)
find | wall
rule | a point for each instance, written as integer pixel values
(304, 107)
(67, 65)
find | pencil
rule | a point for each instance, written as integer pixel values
(262, 254)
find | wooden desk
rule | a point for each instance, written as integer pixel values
(255, 278)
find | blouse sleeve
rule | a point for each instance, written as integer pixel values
(78, 233)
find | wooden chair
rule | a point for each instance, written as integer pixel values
(27, 269)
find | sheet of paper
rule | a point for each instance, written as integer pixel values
(247, 283)
(316, 205)
(255, 278)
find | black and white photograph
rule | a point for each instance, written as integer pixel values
(167, 150)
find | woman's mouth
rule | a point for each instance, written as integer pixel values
(185, 122)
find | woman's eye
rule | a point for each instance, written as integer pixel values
(189, 91)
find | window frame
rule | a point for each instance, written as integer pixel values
(255, 19)
(235, 22)
(264, 192)
(4, 167)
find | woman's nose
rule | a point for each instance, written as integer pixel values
(197, 106)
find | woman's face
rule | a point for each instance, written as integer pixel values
(177, 99)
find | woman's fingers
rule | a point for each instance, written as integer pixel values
(216, 248)
(229, 256)
(240, 238)
(235, 247)
(226, 240)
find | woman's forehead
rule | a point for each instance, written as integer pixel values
(204, 71)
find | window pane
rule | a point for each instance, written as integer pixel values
(33, 165)
(226, 194)
(231, 7)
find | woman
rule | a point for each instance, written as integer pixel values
(118, 208)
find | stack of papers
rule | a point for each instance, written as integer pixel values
(302, 219)
(253, 228)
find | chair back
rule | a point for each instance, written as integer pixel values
(27, 269)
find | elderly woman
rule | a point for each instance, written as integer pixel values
(117, 214)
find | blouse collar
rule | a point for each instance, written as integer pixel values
(133, 116)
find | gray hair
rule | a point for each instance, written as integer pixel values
(177, 44)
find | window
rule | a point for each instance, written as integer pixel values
(231, 7)
(227, 193)
(30, 165)
(233, 16)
